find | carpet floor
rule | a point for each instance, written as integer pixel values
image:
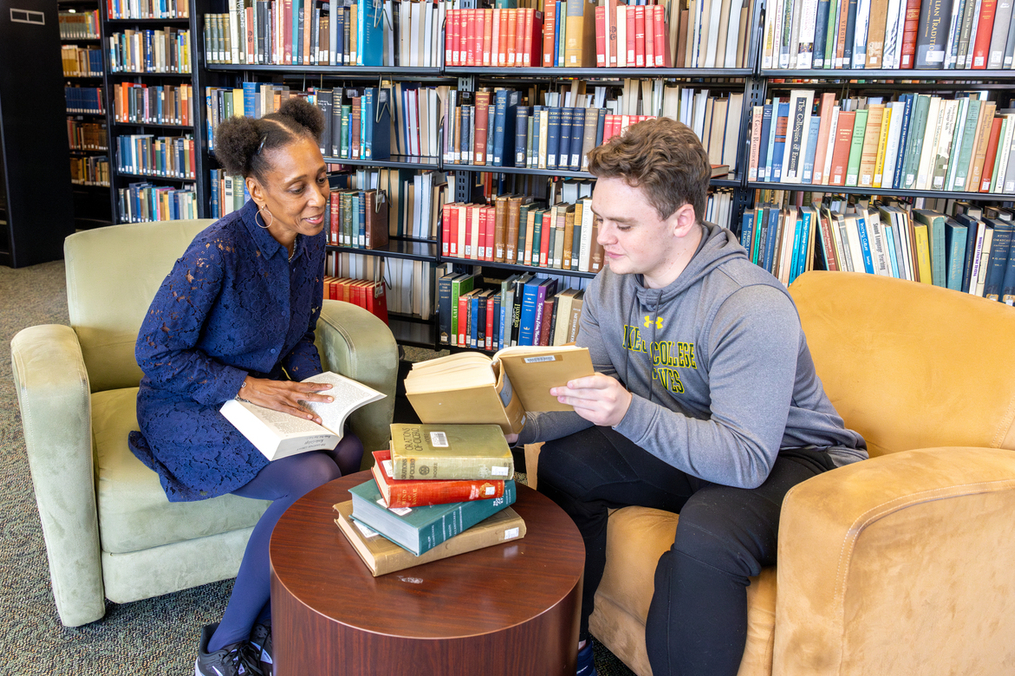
(154, 636)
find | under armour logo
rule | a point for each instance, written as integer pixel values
(648, 322)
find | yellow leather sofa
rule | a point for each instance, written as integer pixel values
(903, 564)
(110, 531)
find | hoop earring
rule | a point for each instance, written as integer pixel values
(263, 227)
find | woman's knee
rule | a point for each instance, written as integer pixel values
(311, 470)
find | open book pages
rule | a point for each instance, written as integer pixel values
(278, 434)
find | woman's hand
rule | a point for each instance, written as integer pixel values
(284, 395)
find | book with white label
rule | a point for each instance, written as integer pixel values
(278, 435)
(443, 452)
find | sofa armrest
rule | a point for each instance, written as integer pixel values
(355, 343)
(53, 395)
(899, 564)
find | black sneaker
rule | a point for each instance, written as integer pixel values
(236, 659)
(260, 640)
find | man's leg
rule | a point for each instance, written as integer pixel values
(594, 470)
(697, 622)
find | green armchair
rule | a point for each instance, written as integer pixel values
(110, 532)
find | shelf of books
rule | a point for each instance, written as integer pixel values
(87, 130)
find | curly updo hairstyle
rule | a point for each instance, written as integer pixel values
(241, 143)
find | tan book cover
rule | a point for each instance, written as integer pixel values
(444, 451)
(876, 33)
(383, 556)
(500, 207)
(980, 149)
(514, 204)
(869, 151)
(481, 127)
(565, 262)
(471, 387)
(576, 313)
(580, 34)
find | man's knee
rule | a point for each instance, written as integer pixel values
(729, 547)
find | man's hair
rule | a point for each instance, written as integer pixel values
(664, 158)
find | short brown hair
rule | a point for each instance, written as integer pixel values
(664, 158)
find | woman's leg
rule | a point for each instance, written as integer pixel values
(283, 482)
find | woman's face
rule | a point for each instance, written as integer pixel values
(295, 190)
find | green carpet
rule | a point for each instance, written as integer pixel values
(155, 636)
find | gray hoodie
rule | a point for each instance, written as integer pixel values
(718, 365)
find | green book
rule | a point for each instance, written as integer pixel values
(856, 148)
(420, 529)
(537, 233)
(955, 243)
(461, 284)
(346, 145)
(960, 166)
(935, 222)
(447, 451)
(914, 142)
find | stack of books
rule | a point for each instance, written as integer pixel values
(441, 490)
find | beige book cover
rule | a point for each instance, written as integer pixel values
(382, 556)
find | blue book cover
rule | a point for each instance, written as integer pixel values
(796, 221)
(521, 135)
(766, 131)
(771, 238)
(499, 115)
(812, 147)
(747, 230)
(420, 529)
(249, 89)
(865, 245)
(552, 136)
(379, 141)
(444, 308)
(496, 337)
(897, 178)
(893, 255)
(972, 228)
(1008, 285)
(820, 33)
(339, 16)
(780, 124)
(216, 208)
(800, 255)
(847, 51)
(527, 320)
(534, 146)
(465, 132)
(577, 138)
(564, 143)
(956, 235)
(370, 33)
(935, 222)
(476, 320)
(997, 262)
(558, 51)
(545, 290)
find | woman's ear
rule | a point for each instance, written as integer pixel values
(255, 189)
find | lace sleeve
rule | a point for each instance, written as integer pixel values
(166, 347)
(303, 361)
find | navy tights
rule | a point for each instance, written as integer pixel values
(283, 482)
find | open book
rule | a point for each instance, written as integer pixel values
(471, 387)
(278, 434)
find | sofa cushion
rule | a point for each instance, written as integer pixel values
(134, 513)
(636, 538)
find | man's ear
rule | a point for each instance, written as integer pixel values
(683, 220)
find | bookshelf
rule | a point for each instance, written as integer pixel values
(36, 209)
(87, 131)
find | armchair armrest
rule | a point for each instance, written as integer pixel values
(53, 395)
(899, 564)
(355, 343)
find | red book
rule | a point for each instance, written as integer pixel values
(659, 34)
(482, 126)
(601, 36)
(630, 36)
(544, 238)
(489, 231)
(511, 37)
(416, 493)
(502, 32)
(446, 228)
(639, 36)
(909, 30)
(840, 151)
(650, 35)
(484, 36)
(377, 301)
(463, 318)
(988, 160)
(470, 219)
(357, 290)
(354, 124)
(481, 253)
(489, 321)
(469, 37)
(544, 325)
(549, 22)
(249, 11)
(333, 207)
(533, 43)
(449, 38)
(287, 31)
(988, 8)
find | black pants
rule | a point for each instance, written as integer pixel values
(697, 622)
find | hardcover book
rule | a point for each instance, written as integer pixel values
(421, 493)
(437, 452)
(278, 435)
(420, 529)
(382, 556)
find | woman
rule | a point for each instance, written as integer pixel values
(236, 318)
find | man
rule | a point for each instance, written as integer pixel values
(704, 401)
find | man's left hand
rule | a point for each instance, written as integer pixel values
(598, 398)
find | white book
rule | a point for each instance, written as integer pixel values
(853, 242)
(778, 11)
(696, 17)
(997, 182)
(981, 277)
(715, 10)
(278, 435)
(805, 40)
(698, 118)
(878, 244)
(895, 124)
(894, 22)
(586, 238)
(959, 135)
(863, 12)
(622, 36)
(943, 148)
(833, 125)
(732, 36)
(800, 103)
(972, 35)
(951, 46)
(426, 56)
(926, 165)
(974, 272)
(768, 39)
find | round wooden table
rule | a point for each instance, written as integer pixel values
(511, 609)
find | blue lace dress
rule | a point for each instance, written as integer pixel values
(234, 305)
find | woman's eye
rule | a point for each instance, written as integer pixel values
(297, 190)
(322, 180)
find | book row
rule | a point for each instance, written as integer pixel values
(89, 171)
(358, 218)
(137, 103)
(149, 51)
(87, 135)
(147, 9)
(497, 38)
(409, 283)
(683, 35)
(157, 156)
(920, 142)
(228, 193)
(368, 295)
(143, 202)
(84, 100)
(79, 25)
(81, 61)
(889, 34)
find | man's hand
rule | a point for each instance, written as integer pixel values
(597, 398)
(284, 395)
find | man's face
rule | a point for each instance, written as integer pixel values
(635, 240)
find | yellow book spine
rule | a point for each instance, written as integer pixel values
(922, 253)
(879, 162)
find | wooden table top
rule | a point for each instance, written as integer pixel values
(466, 595)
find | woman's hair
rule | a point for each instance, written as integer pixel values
(241, 143)
(664, 158)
